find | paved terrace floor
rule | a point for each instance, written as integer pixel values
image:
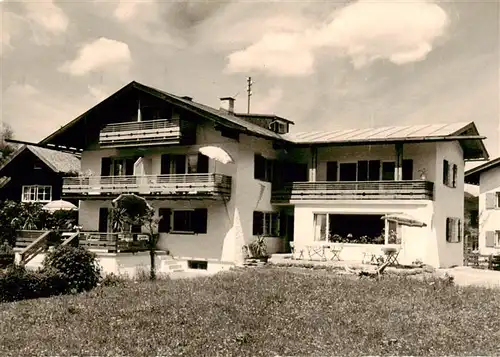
(464, 276)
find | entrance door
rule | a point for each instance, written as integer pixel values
(289, 231)
(103, 219)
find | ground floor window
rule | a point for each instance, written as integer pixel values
(192, 221)
(353, 228)
(37, 194)
(266, 224)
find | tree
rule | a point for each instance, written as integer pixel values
(6, 148)
(129, 210)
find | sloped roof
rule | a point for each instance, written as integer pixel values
(56, 160)
(377, 134)
(472, 176)
(465, 133)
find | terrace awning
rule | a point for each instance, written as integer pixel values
(404, 219)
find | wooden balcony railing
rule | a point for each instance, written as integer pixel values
(149, 132)
(362, 190)
(113, 242)
(185, 186)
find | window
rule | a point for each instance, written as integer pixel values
(263, 168)
(266, 224)
(369, 170)
(279, 127)
(183, 164)
(407, 170)
(320, 226)
(37, 194)
(388, 170)
(198, 264)
(492, 239)
(453, 230)
(183, 221)
(348, 171)
(492, 200)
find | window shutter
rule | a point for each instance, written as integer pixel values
(282, 224)
(490, 200)
(105, 166)
(459, 230)
(258, 223)
(448, 230)
(490, 239)
(455, 173)
(332, 168)
(103, 219)
(200, 220)
(164, 224)
(259, 167)
(165, 164)
(129, 166)
(446, 171)
(202, 166)
(407, 169)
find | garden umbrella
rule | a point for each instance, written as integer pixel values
(59, 205)
(404, 219)
(131, 202)
(216, 153)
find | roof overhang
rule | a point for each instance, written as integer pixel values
(468, 137)
(61, 137)
(472, 176)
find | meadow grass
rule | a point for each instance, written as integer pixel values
(260, 312)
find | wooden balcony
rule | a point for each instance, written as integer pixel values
(184, 187)
(362, 190)
(113, 242)
(144, 133)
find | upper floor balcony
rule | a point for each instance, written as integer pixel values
(176, 186)
(354, 190)
(148, 132)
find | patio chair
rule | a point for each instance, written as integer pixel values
(369, 256)
(336, 249)
(292, 248)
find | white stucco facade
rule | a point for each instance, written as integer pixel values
(489, 211)
(230, 223)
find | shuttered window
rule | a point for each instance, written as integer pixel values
(492, 200)
(446, 172)
(263, 168)
(453, 230)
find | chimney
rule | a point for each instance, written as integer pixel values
(227, 104)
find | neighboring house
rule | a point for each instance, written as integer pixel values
(35, 174)
(487, 177)
(305, 187)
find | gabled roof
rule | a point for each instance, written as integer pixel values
(472, 176)
(466, 133)
(57, 161)
(218, 116)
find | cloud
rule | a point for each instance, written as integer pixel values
(100, 54)
(268, 103)
(49, 108)
(364, 31)
(47, 15)
(12, 25)
(98, 93)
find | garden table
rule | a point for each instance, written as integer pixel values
(391, 255)
(318, 250)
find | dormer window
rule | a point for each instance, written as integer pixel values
(279, 127)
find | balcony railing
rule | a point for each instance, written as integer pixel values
(114, 242)
(185, 186)
(362, 190)
(149, 132)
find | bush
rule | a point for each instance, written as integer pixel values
(7, 256)
(17, 283)
(76, 265)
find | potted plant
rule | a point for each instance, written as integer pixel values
(258, 249)
(423, 173)
(7, 256)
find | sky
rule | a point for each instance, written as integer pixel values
(323, 64)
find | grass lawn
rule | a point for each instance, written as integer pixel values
(265, 312)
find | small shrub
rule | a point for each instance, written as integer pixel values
(113, 280)
(17, 283)
(77, 265)
(7, 256)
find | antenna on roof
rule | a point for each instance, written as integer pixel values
(249, 91)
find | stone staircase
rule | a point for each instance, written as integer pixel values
(171, 265)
